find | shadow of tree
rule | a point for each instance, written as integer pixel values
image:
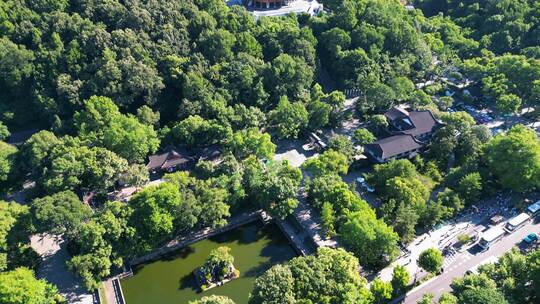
(188, 282)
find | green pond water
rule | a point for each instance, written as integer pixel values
(170, 280)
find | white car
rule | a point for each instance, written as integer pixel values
(369, 188)
(361, 180)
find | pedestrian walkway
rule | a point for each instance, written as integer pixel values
(455, 261)
(310, 221)
(446, 234)
(113, 291)
(449, 259)
(296, 237)
(53, 268)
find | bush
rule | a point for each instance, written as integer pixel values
(464, 238)
(431, 260)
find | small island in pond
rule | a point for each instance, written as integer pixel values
(217, 270)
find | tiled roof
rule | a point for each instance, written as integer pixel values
(394, 145)
(170, 158)
(395, 113)
(423, 122)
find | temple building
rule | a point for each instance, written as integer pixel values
(270, 3)
(269, 8)
(410, 132)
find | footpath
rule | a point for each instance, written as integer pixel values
(52, 249)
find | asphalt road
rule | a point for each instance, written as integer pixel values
(469, 259)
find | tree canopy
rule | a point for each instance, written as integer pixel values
(330, 275)
(20, 286)
(431, 260)
(514, 158)
(60, 212)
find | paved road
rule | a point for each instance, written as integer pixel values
(467, 260)
(54, 269)
(447, 234)
(310, 221)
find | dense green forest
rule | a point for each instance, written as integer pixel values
(108, 83)
(200, 58)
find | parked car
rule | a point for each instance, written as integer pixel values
(368, 188)
(530, 238)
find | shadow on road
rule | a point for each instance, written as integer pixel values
(54, 269)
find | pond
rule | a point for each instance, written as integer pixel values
(255, 247)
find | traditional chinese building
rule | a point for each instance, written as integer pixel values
(410, 133)
(270, 3)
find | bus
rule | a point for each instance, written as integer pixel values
(534, 209)
(491, 236)
(517, 222)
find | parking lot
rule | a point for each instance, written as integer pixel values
(495, 122)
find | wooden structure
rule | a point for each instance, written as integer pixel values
(410, 133)
(170, 160)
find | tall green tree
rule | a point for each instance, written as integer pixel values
(514, 158)
(329, 162)
(82, 169)
(59, 212)
(20, 286)
(252, 142)
(328, 219)
(362, 136)
(37, 150)
(288, 119)
(15, 229)
(130, 139)
(196, 131)
(400, 280)
(330, 275)
(343, 145)
(136, 175)
(508, 103)
(275, 286)
(102, 123)
(217, 45)
(431, 260)
(8, 154)
(4, 132)
(274, 187)
(470, 187)
(381, 292)
(369, 238)
(154, 211)
(288, 76)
